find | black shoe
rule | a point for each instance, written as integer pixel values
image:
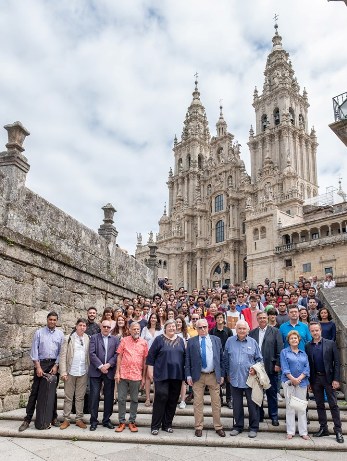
(339, 437)
(221, 402)
(92, 428)
(109, 425)
(275, 422)
(230, 404)
(323, 432)
(24, 426)
(261, 420)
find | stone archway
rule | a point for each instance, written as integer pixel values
(220, 272)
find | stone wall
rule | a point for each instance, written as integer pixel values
(335, 299)
(50, 261)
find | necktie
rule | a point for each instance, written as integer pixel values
(203, 352)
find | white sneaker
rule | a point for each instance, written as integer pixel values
(279, 397)
(182, 405)
(265, 397)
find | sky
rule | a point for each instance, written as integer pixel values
(103, 87)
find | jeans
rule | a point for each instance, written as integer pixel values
(123, 386)
(271, 395)
(253, 409)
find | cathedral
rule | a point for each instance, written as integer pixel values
(225, 225)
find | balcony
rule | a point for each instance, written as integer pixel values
(339, 127)
(330, 240)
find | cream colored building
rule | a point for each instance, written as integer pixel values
(225, 225)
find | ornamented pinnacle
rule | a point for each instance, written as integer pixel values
(16, 136)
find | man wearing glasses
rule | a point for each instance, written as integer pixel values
(204, 367)
(74, 363)
(192, 330)
(103, 359)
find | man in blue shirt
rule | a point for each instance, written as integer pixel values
(294, 324)
(240, 354)
(45, 352)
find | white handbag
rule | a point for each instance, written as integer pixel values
(297, 404)
(294, 402)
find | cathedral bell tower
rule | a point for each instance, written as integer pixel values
(283, 151)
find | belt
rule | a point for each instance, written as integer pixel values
(320, 373)
(47, 360)
(207, 373)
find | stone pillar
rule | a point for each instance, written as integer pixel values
(152, 260)
(14, 165)
(185, 273)
(107, 230)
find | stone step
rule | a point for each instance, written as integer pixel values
(183, 418)
(180, 437)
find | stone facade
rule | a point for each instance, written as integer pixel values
(50, 261)
(336, 301)
(225, 225)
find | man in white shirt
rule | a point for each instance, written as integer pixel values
(74, 363)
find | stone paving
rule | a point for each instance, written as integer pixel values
(25, 449)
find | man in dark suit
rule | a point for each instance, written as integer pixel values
(103, 359)
(271, 344)
(324, 363)
(204, 367)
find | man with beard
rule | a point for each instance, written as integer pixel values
(92, 327)
(130, 374)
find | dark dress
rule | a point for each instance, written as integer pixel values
(168, 358)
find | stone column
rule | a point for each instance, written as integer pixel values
(14, 165)
(107, 230)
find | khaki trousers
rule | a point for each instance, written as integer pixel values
(209, 380)
(75, 385)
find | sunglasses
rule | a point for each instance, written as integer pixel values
(106, 326)
(194, 320)
(203, 328)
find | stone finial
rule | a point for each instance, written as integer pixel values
(107, 230)
(150, 237)
(109, 212)
(16, 136)
(139, 238)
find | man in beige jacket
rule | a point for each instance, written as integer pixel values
(73, 366)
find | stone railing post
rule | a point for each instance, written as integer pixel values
(107, 230)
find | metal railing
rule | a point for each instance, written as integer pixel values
(340, 107)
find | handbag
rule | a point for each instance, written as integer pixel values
(294, 402)
(297, 404)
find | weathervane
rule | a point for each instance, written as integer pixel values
(275, 18)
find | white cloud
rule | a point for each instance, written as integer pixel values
(103, 86)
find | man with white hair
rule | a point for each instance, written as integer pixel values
(240, 353)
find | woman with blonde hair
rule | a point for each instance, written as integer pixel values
(295, 373)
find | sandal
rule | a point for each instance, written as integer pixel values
(147, 403)
(305, 437)
(155, 432)
(289, 436)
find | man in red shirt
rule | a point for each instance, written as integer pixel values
(130, 374)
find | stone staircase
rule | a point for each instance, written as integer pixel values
(268, 436)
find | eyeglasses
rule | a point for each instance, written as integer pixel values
(106, 326)
(203, 327)
(194, 320)
(233, 302)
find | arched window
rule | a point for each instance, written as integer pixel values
(220, 231)
(292, 115)
(200, 162)
(218, 203)
(264, 122)
(256, 234)
(263, 232)
(277, 118)
(188, 161)
(164, 264)
(179, 164)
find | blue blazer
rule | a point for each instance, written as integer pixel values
(193, 358)
(97, 355)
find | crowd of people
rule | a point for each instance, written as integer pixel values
(232, 340)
